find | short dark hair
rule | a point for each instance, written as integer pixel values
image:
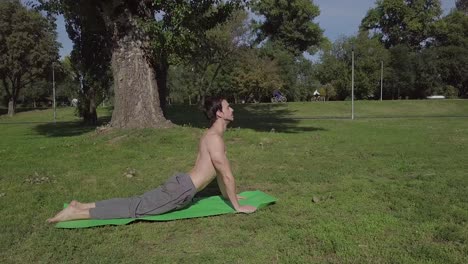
(213, 105)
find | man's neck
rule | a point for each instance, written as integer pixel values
(219, 126)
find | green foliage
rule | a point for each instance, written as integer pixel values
(208, 69)
(369, 54)
(180, 26)
(179, 34)
(182, 84)
(28, 47)
(401, 72)
(452, 30)
(288, 23)
(450, 92)
(68, 85)
(256, 75)
(335, 68)
(453, 68)
(306, 82)
(285, 31)
(328, 91)
(288, 66)
(449, 50)
(37, 94)
(223, 64)
(402, 22)
(216, 55)
(462, 5)
(406, 27)
(91, 55)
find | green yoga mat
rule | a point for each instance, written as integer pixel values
(208, 206)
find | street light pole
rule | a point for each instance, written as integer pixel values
(53, 91)
(381, 80)
(352, 83)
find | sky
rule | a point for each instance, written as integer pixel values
(337, 18)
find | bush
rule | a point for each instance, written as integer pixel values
(450, 92)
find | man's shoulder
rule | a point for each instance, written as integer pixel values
(212, 138)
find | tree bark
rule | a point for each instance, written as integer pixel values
(137, 100)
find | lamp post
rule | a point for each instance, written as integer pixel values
(352, 82)
(381, 80)
(53, 91)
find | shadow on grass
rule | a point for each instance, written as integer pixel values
(211, 189)
(4, 111)
(68, 129)
(259, 117)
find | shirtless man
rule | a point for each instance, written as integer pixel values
(179, 190)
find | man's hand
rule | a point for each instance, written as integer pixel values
(246, 209)
(240, 197)
(237, 196)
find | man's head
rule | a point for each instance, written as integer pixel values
(218, 107)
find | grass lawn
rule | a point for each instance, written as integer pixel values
(372, 190)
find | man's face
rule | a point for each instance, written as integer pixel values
(228, 112)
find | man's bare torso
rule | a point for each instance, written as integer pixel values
(204, 172)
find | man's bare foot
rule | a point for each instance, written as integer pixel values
(69, 213)
(82, 206)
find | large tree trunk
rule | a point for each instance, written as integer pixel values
(137, 102)
(161, 69)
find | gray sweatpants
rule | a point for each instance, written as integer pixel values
(174, 194)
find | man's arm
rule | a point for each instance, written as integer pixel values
(221, 163)
(221, 186)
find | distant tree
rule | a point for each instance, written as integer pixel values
(462, 6)
(216, 51)
(28, 47)
(397, 22)
(288, 23)
(182, 84)
(452, 30)
(287, 64)
(369, 53)
(335, 68)
(306, 82)
(452, 67)
(286, 30)
(179, 31)
(449, 49)
(37, 92)
(91, 54)
(401, 73)
(256, 76)
(68, 85)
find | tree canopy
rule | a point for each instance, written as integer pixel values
(402, 22)
(289, 23)
(28, 47)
